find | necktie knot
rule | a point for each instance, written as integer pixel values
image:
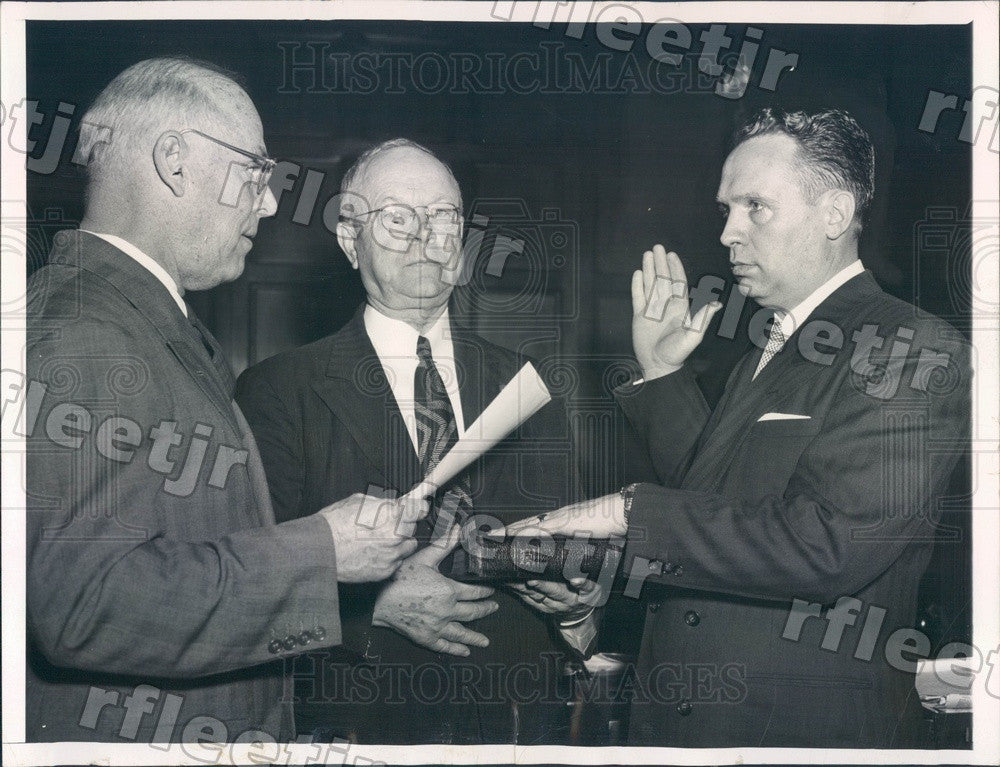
(776, 336)
(775, 342)
(424, 351)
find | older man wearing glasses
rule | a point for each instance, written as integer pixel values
(377, 404)
(162, 599)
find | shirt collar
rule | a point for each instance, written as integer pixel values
(796, 317)
(145, 261)
(395, 339)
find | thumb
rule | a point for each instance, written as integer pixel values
(439, 548)
(699, 323)
(550, 522)
(422, 491)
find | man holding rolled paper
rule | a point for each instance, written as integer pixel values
(780, 560)
(376, 407)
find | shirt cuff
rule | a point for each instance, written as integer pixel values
(580, 635)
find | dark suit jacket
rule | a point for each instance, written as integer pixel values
(328, 425)
(842, 504)
(132, 579)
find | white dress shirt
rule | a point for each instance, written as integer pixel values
(395, 343)
(795, 317)
(146, 262)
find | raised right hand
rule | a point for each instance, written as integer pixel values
(663, 331)
(372, 536)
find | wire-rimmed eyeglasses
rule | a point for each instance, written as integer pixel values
(261, 168)
(404, 220)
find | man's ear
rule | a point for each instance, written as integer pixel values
(347, 236)
(170, 153)
(839, 208)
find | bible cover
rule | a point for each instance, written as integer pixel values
(524, 558)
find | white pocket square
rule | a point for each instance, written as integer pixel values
(783, 417)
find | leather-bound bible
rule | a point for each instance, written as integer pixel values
(522, 558)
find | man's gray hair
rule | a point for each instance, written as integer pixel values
(348, 185)
(148, 98)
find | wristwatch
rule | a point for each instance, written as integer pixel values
(628, 495)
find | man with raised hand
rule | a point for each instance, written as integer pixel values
(810, 495)
(161, 595)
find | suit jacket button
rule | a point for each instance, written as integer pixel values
(692, 618)
(305, 638)
(319, 633)
(274, 646)
(684, 708)
(289, 642)
(654, 606)
(678, 570)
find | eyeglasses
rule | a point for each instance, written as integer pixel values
(261, 168)
(404, 220)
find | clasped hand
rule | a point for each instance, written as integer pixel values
(567, 602)
(372, 536)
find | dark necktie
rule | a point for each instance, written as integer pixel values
(437, 431)
(214, 351)
(255, 467)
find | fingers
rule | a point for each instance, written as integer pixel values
(439, 548)
(519, 588)
(557, 591)
(470, 591)
(661, 264)
(449, 648)
(699, 323)
(648, 273)
(638, 293)
(413, 508)
(473, 611)
(671, 264)
(456, 632)
(551, 522)
(583, 585)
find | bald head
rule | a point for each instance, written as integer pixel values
(387, 162)
(175, 156)
(152, 96)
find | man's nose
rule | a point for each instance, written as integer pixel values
(268, 204)
(732, 232)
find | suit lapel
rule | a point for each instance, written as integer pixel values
(746, 399)
(354, 386)
(476, 388)
(152, 300)
(481, 376)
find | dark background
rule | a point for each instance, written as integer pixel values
(586, 179)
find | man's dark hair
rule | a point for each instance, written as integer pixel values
(836, 151)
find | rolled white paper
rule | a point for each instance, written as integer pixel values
(523, 396)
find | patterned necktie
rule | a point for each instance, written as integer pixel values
(437, 431)
(775, 341)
